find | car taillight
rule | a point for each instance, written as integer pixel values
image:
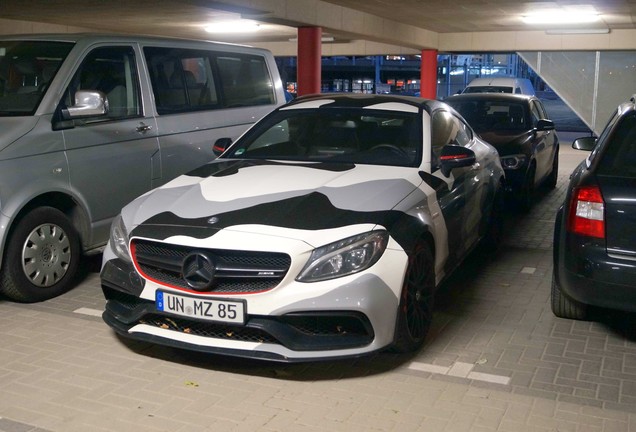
(587, 212)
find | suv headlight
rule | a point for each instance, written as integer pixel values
(119, 239)
(513, 161)
(344, 257)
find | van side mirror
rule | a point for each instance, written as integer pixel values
(221, 145)
(454, 156)
(88, 103)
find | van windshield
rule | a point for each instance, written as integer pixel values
(488, 89)
(26, 69)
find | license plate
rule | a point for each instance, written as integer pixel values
(226, 311)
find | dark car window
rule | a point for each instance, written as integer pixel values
(336, 135)
(619, 155)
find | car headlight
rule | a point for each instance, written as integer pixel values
(513, 161)
(344, 257)
(119, 239)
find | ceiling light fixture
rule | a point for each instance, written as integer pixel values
(237, 26)
(561, 17)
(578, 31)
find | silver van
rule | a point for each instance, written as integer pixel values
(501, 85)
(90, 122)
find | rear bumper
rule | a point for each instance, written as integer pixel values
(586, 273)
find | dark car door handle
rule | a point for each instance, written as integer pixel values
(143, 128)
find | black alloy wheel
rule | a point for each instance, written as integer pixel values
(415, 311)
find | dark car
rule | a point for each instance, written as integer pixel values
(595, 230)
(519, 128)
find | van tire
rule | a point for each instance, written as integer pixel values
(41, 257)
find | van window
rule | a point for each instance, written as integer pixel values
(245, 80)
(111, 70)
(185, 80)
(26, 69)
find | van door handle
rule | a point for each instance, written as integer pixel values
(143, 128)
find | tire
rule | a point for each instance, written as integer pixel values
(41, 258)
(526, 197)
(563, 307)
(415, 311)
(554, 174)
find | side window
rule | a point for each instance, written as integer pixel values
(113, 71)
(619, 155)
(185, 80)
(447, 129)
(245, 80)
(182, 80)
(537, 113)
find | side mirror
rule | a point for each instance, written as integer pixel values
(221, 145)
(88, 103)
(545, 125)
(585, 143)
(454, 156)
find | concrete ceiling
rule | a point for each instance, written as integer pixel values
(390, 25)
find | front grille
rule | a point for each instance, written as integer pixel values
(235, 272)
(210, 330)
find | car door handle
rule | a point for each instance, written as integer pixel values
(142, 128)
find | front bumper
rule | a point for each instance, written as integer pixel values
(345, 317)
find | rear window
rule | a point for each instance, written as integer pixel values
(619, 155)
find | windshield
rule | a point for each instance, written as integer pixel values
(488, 89)
(26, 68)
(487, 115)
(335, 135)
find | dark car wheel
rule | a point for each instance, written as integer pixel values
(42, 256)
(526, 194)
(415, 310)
(563, 307)
(554, 174)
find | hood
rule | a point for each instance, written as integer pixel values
(508, 142)
(254, 196)
(13, 128)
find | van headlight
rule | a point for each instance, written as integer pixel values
(344, 257)
(119, 239)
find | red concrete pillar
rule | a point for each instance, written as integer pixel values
(428, 74)
(309, 54)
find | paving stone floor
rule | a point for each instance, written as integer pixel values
(496, 360)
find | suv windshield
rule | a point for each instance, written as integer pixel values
(335, 135)
(26, 68)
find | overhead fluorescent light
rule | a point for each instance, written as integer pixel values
(551, 17)
(236, 26)
(322, 39)
(577, 31)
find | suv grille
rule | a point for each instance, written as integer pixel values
(225, 271)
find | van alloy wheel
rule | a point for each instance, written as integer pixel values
(42, 256)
